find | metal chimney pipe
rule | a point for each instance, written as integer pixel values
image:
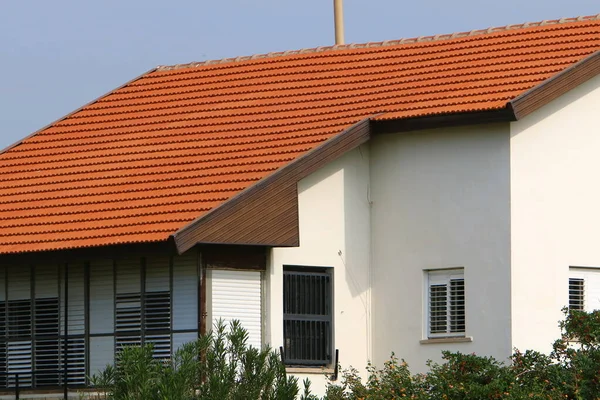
(338, 10)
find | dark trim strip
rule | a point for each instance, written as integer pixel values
(202, 311)
(267, 212)
(556, 86)
(439, 121)
(130, 333)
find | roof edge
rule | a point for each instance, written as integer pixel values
(15, 144)
(237, 220)
(555, 86)
(384, 43)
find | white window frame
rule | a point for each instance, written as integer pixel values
(444, 277)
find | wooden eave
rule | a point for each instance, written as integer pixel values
(267, 212)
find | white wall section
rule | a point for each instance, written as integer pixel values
(554, 209)
(440, 200)
(334, 232)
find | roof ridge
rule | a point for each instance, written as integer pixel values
(380, 44)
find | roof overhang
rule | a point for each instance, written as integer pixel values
(266, 214)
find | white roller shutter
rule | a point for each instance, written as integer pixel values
(185, 291)
(237, 295)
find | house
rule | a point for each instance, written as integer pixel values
(408, 196)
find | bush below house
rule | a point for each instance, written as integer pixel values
(221, 366)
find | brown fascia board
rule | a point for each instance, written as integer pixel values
(267, 212)
(556, 86)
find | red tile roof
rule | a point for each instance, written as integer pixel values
(148, 158)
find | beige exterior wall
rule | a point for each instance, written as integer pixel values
(440, 200)
(555, 162)
(334, 232)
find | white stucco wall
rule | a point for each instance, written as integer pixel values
(440, 199)
(555, 163)
(334, 232)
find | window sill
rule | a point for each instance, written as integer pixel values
(309, 370)
(459, 339)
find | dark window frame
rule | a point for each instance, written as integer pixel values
(307, 320)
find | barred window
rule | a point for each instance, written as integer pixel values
(307, 316)
(576, 294)
(584, 288)
(446, 303)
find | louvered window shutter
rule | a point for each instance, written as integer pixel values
(102, 316)
(19, 325)
(157, 306)
(446, 303)
(438, 308)
(74, 293)
(46, 322)
(128, 304)
(237, 295)
(3, 330)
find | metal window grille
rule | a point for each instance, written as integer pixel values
(446, 304)
(307, 318)
(576, 294)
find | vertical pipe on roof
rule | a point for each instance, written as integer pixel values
(338, 9)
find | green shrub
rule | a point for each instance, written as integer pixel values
(219, 366)
(571, 371)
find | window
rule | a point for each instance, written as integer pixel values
(445, 303)
(307, 311)
(584, 289)
(576, 292)
(67, 321)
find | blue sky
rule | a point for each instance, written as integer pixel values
(57, 55)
